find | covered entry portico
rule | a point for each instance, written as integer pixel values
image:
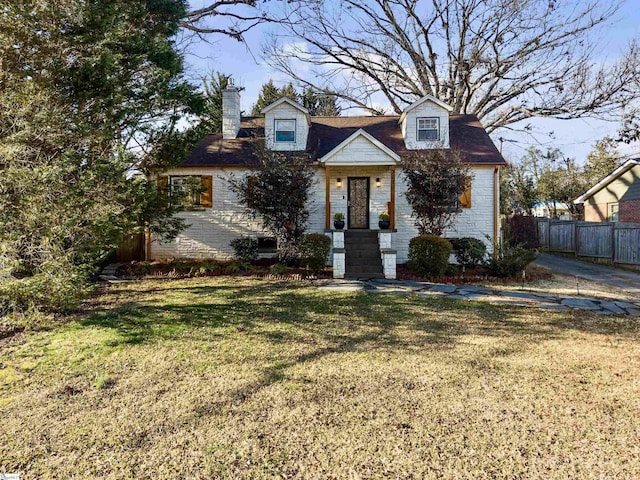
(360, 183)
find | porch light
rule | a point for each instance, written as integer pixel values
(338, 182)
(378, 184)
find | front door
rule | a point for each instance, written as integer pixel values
(358, 212)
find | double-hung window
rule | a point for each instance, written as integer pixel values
(185, 190)
(285, 131)
(613, 212)
(428, 129)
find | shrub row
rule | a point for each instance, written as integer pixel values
(429, 256)
(314, 250)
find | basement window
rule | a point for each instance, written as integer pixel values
(428, 129)
(285, 130)
(267, 245)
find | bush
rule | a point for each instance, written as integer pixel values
(245, 249)
(429, 255)
(278, 269)
(314, 251)
(469, 251)
(522, 230)
(509, 260)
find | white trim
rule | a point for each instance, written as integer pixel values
(282, 100)
(426, 98)
(624, 168)
(361, 133)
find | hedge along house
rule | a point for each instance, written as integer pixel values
(615, 198)
(357, 163)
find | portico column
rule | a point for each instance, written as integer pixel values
(327, 179)
(392, 203)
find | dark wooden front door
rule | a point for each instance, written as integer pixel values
(358, 213)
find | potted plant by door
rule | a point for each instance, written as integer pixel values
(384, 221)
(338, 221)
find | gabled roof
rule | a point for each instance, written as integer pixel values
(282, 100)
(361, 133)
(326, 133)
(621, 170)
(426, 98)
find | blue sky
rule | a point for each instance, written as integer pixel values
(574, 137)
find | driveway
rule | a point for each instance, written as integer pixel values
(614, 277)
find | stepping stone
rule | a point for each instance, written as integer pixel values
(429, 293)
(398, 291)
(343, 287)
(634, 312)
(443, 288)
(623, 304)
(457, 297)
(472, 295)
(522, 295)
(580, 303)
(472, 289)
(612, 307)
(506, 301)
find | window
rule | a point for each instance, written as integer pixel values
(285, 130)
(428, 129)
(191, 190)
(613, 212)
(267, 245)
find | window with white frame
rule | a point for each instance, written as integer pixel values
(285, 130)
(185, 190)
(613, 212)
(428, 129)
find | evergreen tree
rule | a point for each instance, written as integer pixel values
(212, 114)
(91, 94)
(319, 104)
(602, 160)
(269, 94)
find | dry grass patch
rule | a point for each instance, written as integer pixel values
(240, 378)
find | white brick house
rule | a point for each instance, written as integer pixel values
(358, 173)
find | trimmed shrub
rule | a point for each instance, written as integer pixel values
(245, 249)
(509, 260)
(429, 255)
(314, 251)
(522, 230)
(469, 251)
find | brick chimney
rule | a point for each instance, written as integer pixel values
(230, 111)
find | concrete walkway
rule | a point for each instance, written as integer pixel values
(501, 297)
(614, 277)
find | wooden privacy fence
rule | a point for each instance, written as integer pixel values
(618, 242)
(131, 248)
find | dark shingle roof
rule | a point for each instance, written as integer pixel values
(326, 133)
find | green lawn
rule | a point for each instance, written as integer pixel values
(240, 378)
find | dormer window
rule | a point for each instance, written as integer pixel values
(285, 131)
(428, 129)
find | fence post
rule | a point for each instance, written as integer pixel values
(613, 242)
(576, 243)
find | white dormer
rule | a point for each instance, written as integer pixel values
(425, 124)
(286, 125)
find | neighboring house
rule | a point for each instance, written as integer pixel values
(615, 198)
(358, 173)
(551, 209)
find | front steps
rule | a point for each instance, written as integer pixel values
(362, 253)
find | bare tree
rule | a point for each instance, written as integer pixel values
(232, 18)
(502, 60)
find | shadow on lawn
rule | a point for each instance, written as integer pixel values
(321, 324)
